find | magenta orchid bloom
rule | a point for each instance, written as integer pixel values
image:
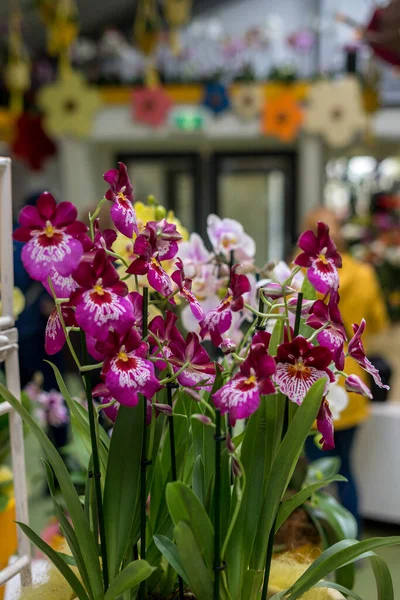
(50, 232)
(185, 290)
(102, 240)
(299, 366)
(167, 333)
(356, 351)
(240, 397)
(325, 426)
(126, 371)
(102, 393)
(54, 333)
(200, 371)
(219, 320)
(355, 384)
(62, 286)
(121, 195)
(334, 336)
(101, 300)
(163, 237)
(320, 257)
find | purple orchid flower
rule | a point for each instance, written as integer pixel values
(102, 240)
(218, 321)
(200, 371)
(194, 254)
(185, 290)
(355, 384)
(101, 300)
(228, 235)
(325, 426)
(299, 365)
(50, 232)
(62, 286)
(334, 336)
(126, 371)
(101, 392)
(121, 195)
(240, 397)
(320, 257)
(54, 333)
(356, 351)
(166, 333)
(163, 237)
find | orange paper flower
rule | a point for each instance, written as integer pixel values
(282, 117)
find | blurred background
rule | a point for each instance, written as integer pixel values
(252, 109)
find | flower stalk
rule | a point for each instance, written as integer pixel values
(218, 567)
(144, 461)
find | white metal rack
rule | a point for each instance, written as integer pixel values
(9, 355)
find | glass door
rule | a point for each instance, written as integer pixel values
(258, 190)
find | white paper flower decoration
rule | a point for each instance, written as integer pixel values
(335, 111)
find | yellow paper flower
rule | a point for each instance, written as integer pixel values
(19, 302)
(69, 105)
(7, 121)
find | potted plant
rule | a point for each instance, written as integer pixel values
(186, 496)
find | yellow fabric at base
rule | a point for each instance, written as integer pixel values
(8, 537)
(360, 297)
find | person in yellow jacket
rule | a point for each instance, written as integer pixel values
(360, 297)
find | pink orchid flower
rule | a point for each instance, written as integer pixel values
(102, 393)
(299, 365)
(194, 254)
(121, 195)
(320, 257)
(228, 235)
(334, 336)
(356, 351)
(240, 397)
(54, 333)
(200, 371)
(101, 300)
(50, 232)
(325, 426)
(185, 290)
(218, 321)
(355, 384)
(126, 371)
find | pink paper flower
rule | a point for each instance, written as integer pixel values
(241, 395)
(218, 321)
(121, 195)
(356, 351)
(151, 106)
(334, 336)
(54, 333)
(325, 426)
(185, 290)
(355, 384)
(50, 233)
(126, 371)
(200, 371)
(299, 365)
(228, 235)
(320, 257)
(101, 300)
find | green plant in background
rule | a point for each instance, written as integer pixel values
(179, 502)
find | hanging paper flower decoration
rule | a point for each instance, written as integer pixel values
(282, 116)
(69, 105)
(216, 98)
(31, 142)
(335, 111)
(151, 106)
(248, 100)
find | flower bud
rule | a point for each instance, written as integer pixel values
(160, 213)
(203, 419)
(275, 290)
(151, 200)
(227, 346)
(355, 384)
(165, 409)
(306, 306)
(193, 394)
(236, 470)
(229, 444)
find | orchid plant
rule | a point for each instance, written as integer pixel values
(185, 497)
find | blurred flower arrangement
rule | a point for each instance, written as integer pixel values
(192, 482)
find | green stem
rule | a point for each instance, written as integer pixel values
(96, 464)
(235, 515)
(260, 320)
(94, 216)
(264, 315)
(87, 368)
(317, 331)
(144, 461)
(268, 560)
(117, 256)
(217, 505)
(173, 377)
(64, 328)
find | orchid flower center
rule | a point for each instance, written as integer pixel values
(155, 261)
(122, 355)
(49, 229)
(322, 256)
(98, 288)
(228, 240)
(299, 369)
(121, 195)
(250, 380)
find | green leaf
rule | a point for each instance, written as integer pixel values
(82, 529)
(323, 468)
(252, 582)
(170, 551)
(339, 519)
(57, 561)
(184, 505)
(308, 290)
(122, 486)
(282, 468)
(67, 558)
(276, 337)
(338, 556)
(204, 446)
(136, 572)
(383, 578)
(198, 480)
(339, 588)
(200, 579)
(298, 499)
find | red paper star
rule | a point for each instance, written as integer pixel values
(151, 106)
(31, 142)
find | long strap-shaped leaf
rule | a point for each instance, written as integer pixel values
(282, 468)
(133, 574)
(195, 568)
(57, 561)
(337, 556)
(82, 529)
